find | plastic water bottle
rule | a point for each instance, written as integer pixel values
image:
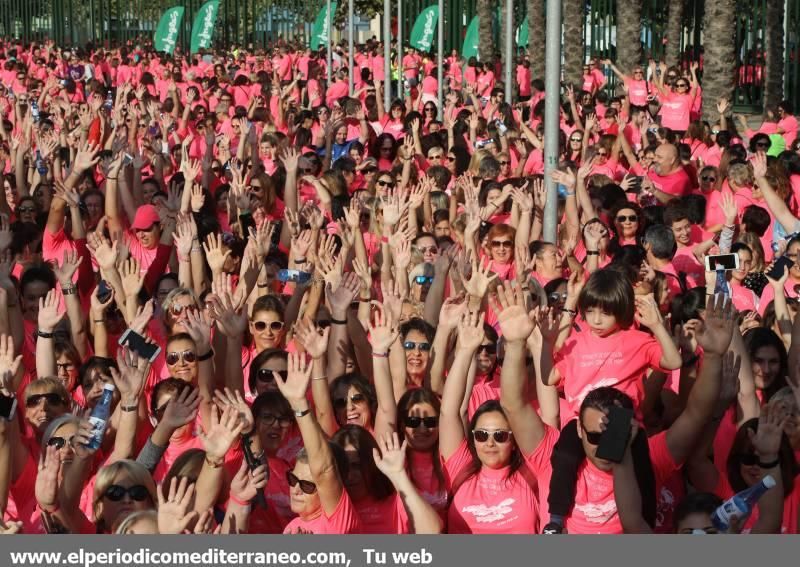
(109, 101)
(740, 504)
(35, 112)
(40, 165)
(99, 417)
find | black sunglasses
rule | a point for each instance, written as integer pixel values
(262, 325)
(411, 345)
(488, 349)
(555, 296)
(592, 437)
(51, 398)
(137, 492)
(708, 178)
(629, 218)
(306, 486)
(383, 183)
(341, 403)
(58, 442)
(269, 419)
(265, 374)
(748, 460)
(414, 421)
(482, 436)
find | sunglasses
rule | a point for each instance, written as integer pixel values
(269, 419)
(51, 398)
(341, 403)
(505, 162)
(482, 436)
(186, 356)
(502, 244)
(429, 249)
(748, 460)
(422, 347)
(273, 326)
(488, 349)
(177, 308)
(576, 140)
(708, 178)
(592, 437)
(26, 210)
(265, 374)
(451, 158)
(422, 280)
(681, 85)
(137, 492)
(435, 156)
(628, 218)
(555, 296)
(429, 109)
(383, 183)
(414, 421)
(306, 486)
(59, 442)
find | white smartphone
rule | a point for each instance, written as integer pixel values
(722, 262)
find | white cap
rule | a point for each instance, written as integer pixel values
(768, 481)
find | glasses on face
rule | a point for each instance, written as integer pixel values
(627, 218)
(422, 347)
(748, 459)
(65, 366)
(384, 183)
(429, 109)
(681, 86)
(59, 442)
(422, 280)
(355, 399)
(26, 210)
(137, 492)
(555, 296)
(504, 163)
(482, 435)
(186, 356)
(269, 419)
(602, 154)
(429, 249)
(261, 326)
(502, 244)
(708, 178)
(490, 350)
(762, 144)
(435, 156)
(265, 375)
(576, 140)
(413, 421)
(51, 398)
(451, 158)
(306, 486)
(592, 437)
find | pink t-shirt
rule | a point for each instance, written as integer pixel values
(387, 516)
(491, 503)
(620, 360)
(637, 91)
(278, 514)
(676, 183)
(676, 111)
(344, 520)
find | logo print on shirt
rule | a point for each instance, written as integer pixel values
(666, 503)
(486, 514)
(598, 513)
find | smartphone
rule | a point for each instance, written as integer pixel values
(614, 441)
(105, 154)
(127, 159)
(636, 185)
(137, 344)
(294, 276)
(483, 143)
(103, 291)
(8, 405)
(501, 128)
(723, 262)
(776, 272)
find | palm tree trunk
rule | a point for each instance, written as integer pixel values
(573, 17)
(773, 76)
(674, 29)
(719, 67)
(536, 36)
(629, 28)
(485, 12)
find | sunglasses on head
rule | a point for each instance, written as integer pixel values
(482, 435)
(629, 218)
(414, 421)
(341, 403)
(51, 398)
(265, 374)
(411, 345)
(502, 244)
(186, 356)
(273, 326)
(306, 486)
(269, 419)
(137, 492)
(488, 349)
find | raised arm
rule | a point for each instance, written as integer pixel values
(776, 205)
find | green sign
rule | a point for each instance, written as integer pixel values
(522, 33)
(203, 27)
(424, 27)
(167, 30)
(470, 48)
(320, 35)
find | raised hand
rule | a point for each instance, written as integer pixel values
(344, 294)
(233, 399)
(391, 458)
(452, 311)
(132, 277)
(714, 333)
(226, 308)
(198, 198)
(479, 281)
(246, 484)
(182, 409)
(383, 332)
(470, 331)
(214, 254)
(144, 314)
(46, 487)
(103, 251)
(174, 512)
(86, 158)
(132, 373)
(295, 386)
(647, 312)
(9, 364)
(767, 440)
(185, 233)
(224, 431)
(313, 339)
(49, 316)
(516, 324)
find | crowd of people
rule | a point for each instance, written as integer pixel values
(322, 315)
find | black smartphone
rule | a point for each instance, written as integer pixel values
(614, 441)
(8, 407)
(105, 154)
(776, 271)
(636, 185)
(137, 344)
(103, 291)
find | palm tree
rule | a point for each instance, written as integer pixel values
(629, 26)
(485, 12)
(536, 36)
(773, 76)
(719, 66)
(674, 29)
(573, 17)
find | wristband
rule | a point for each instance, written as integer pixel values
(44, 335)
(338, 321)
(68, 289)
(769, 465)
(300, 261)
(262, 285)
(214, 464)
(206, 356)
(320, 378)
(302, 413)
(111, 178)
(134, 407)
(592, 253)
(380, 355)
(572, 312)
(235, 500)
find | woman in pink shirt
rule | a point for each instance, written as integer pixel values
(787, 123)
(676, 104)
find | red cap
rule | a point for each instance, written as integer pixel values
(146, 217)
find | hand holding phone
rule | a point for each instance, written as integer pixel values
(722, 262)
(138, 344)
(614, 440)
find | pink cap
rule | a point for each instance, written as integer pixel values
(146, 217)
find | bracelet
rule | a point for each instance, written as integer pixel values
(235, 500)
(69, 289)
(44, 335)
(300, 261)
(134, 407)
(338, 321)
(769, 465)
(380, 355)
(213, 464)
(571, 312)
(98, 320)
(111, 178)
(302, 413)
(320, 378)
(592, 253)
(262, 285)
(206, 356)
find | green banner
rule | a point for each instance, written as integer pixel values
(470, 48)
(424, 28)
(167, 30)
(522, 33)
(203, 27)
(320, 34)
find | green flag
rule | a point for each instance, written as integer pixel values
(522, 33)
(470, 48)
(320, 34)
(424, 27)
(167, 30)
(203, 27)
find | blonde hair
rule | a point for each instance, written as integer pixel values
(477, 159)
(56, 385)
(741, 174)
(137, 473)
(134, 517)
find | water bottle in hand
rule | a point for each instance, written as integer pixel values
(99, 417)
(740, 504)
(35, 112)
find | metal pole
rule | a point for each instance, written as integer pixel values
(440, 55)
(328, 42)
(509, 47)
(552, 73)
(401, 74)
(387, 54)
(350, 25)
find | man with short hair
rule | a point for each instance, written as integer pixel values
(668, 178)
